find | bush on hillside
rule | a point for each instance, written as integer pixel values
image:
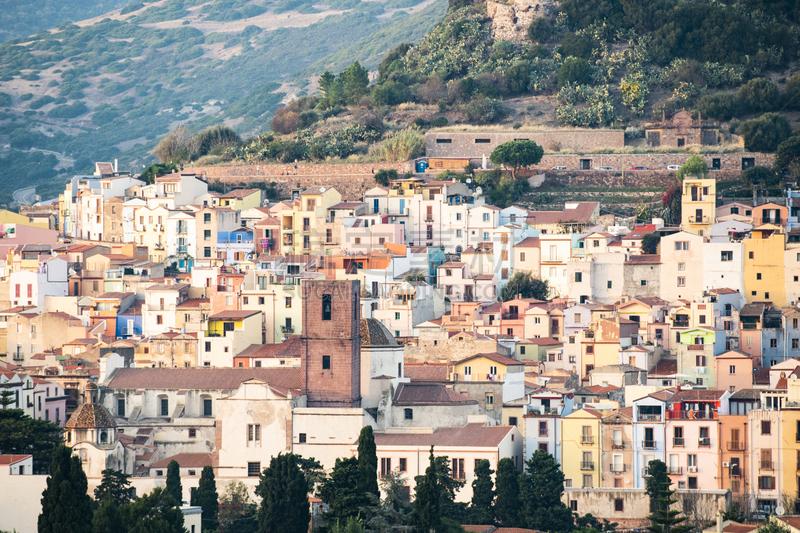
(765, 133)
(719, 106)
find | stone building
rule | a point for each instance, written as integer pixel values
(682, 130)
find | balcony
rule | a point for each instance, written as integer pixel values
(288, 242)
(680, 323)
(698, 220)
(649, 444)
(617, 468)
(735, 446)
(587, 465)
(649, 418)
(429, 218)
(698, 347)
(181, 249)
(542, 433)
(181, 230)
(554, 259)
(674, 470)
(287, 329)
(587, 439)
(224, 288)
(692, 415)
(510, 316)
(704, 442)
(678, 442)
(771, 220)
(767, 465)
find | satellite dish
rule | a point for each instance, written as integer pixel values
(793, 377)
(780, 511)
(469, 180)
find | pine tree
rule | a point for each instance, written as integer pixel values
(663, 519)
(21, 434)
(206, 497)
(367, 462)
(115, 486)
(6, 396)
(284, 497)
(107, 518)
(507, 505)
(657, 476)
(66, 507)
(482, 494)
(341, 491)
(542, 486)
(174, 487)
(156, 512)
(427, 497)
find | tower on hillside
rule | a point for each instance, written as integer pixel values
(331, 359)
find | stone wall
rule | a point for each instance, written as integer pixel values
(350, 179)
(476, 145)
(510, 22)
(731, 162)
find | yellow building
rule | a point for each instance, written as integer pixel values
(10, 217)
(763, 265)
(580, 448)
(241, 199)
(487, 367)
(303, 228)
(150, 227)
(698, 205)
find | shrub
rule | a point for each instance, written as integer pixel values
(404, 145)
(518, 76)
(575, 45)
(765, 133)
(482, 110)
(439, 122)
(431, 91)
(719, 106)
(540, 30)
(390, 93)
(73, 110)
(285, 120)
(758, 95)
(574, 70)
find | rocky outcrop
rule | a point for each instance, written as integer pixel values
(510, 21)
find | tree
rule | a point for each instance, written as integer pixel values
(384, 176)
(482, 494)
(758, 95)
(177, 146)
(525, 284)
(355, 79)
(353, 525)
(657, 476)
(516, 154)
(542, 486)
(448, 486)
(507, 503)
(206, 497)
(719, 105)
(237, 514)
(540, 30)
(577, 46)
(284, 497)
(157, 169)
(107, 519)
(214, 140)
(759, 176)
(341, 490)
(694, 166)
(787, 157)
(174, 487)
(665, 520)
(23, 435)
(589, 524)
(115, 486)
(427, 497)
(367, 462)
(671, 205)
(66, 507)
(156, 512)
(770, 526)
(765, 133)
(650, 243)
(7, 396)
(574, 70)
(393, 510)
(313, 471)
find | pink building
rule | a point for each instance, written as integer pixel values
(734, 371)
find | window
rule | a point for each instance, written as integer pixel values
(253, 469)
(301, 438)
(692, 482)
(326, 362)
(512, 420)
(403, 466)
(326, 306)
(608, 284)
(758, 275)
(573, 504)
(206, 218)
(618, 506)
(208, 346)
(207, 235)
(192, 433)
(288, 302)
(681, 246)
(386, 466)
(159, 319)
(766, 482)
(486, 217)
(681, 281)
(253, 434)
(732, 369)
(164, 404)
(643, 283)
(578, 277)
(357, 240)
(408, 414)
(485, 235)
(727, 256)
(458, 469)
(207, 407)
(750, 255)
(489, 399)
(700, 360)
(260, 300)
(795, 344)
(773, 343)
(397, 316)
(766, 427)
(587, 481)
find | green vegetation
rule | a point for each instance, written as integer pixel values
(526, 285)
(174, 488)
(517, 154)
(65, 504)
(206, 497)
(694, 166)
(284, 497)
(22, 435)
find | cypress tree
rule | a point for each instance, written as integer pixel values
(206, 497)
(368, 462)
(66, 507)
(107, 518)
(114, 486)
(174, 487)
(542, 486)
(507, 505)
(284, 497)
(426, 500)
(482, 494)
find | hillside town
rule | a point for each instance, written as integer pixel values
(166, 321)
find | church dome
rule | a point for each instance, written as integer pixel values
(374, 333)
(90, 415)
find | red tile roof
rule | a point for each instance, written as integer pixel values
(544, 341)
(582, 213)
(9, 459)
(429, 394)
(471, 435)
(665, 368)
(697, 395)
(427, 371)
(232, 314)
(187, 460)
(203, 378)
(496, 357)
(292, 347)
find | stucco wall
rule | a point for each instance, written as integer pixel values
(465, 145)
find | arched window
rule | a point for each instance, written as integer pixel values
(103, 437)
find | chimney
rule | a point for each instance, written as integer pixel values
(115, 165)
